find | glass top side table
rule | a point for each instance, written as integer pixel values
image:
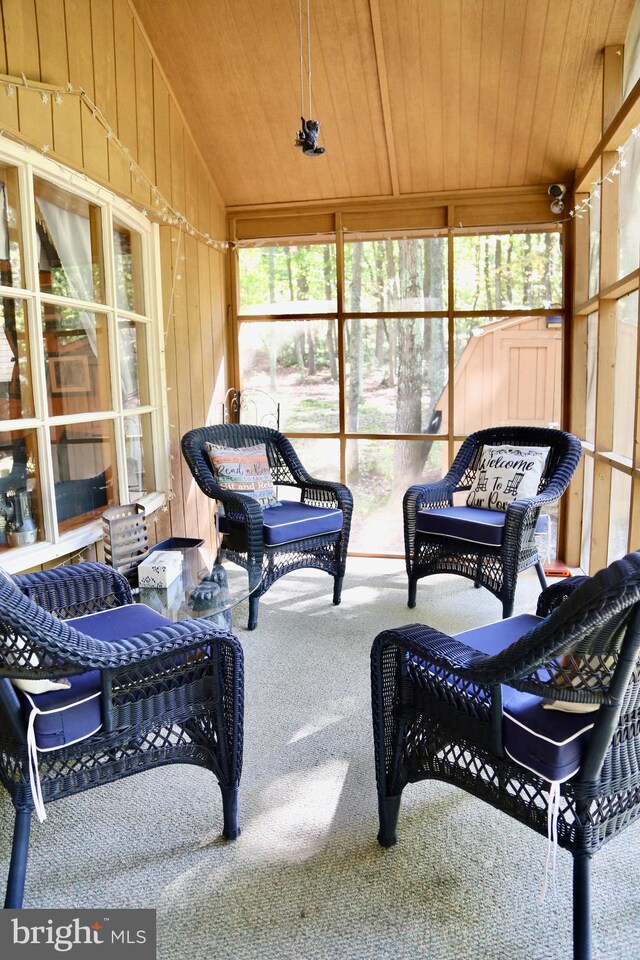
(201, 592)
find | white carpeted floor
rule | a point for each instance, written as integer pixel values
(306, 880)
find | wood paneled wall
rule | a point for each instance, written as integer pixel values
(100, 46)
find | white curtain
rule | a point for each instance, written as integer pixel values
(4, 225)
(71, 235)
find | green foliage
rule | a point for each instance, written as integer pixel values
(277, 279)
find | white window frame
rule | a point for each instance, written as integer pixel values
(53, 545)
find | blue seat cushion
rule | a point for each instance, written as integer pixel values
(463, 523)
(63, 717)
(294, 521)
(549, 743)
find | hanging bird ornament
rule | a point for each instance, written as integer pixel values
(307, 136)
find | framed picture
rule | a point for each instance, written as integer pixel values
(69, 375)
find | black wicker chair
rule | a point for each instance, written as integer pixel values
(494, 564)
(462, 709)
(173, 693)
(245, 541)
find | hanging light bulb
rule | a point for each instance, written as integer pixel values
(307, 136)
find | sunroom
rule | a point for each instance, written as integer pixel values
(379, 228)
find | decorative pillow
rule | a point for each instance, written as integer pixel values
(244, 470)
(505, 474)
(41, 686)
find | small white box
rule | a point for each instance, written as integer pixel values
(160, 568)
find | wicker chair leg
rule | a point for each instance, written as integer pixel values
(541, 576)
(413, 587)
(507, 608)
(230, 829)
(18, 865)
(253, 613)
(337, 590)
(388, 810)
(476, 582)
(581, 906)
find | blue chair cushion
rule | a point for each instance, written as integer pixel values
(294, 521)
(463, 523)
(298, 521)
(63, 717)
(549, 743)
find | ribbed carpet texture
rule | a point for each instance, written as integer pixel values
(307, 880)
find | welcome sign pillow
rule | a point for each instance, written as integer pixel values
(505, 474)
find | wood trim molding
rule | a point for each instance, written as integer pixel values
(383, 83)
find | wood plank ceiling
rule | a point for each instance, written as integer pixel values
(414, 96)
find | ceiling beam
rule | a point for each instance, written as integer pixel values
(383, 81)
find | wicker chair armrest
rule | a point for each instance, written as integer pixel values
(556, 658)
(420, 495)
(63, 589)
(472, 677)
(555, 595)
(323, 492)
(162, 645)
(436, 649)
(169, 639)
(240, 506)
(430, 663)
(47, 646)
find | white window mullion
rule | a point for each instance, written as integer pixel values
(156, 346)
(38, 371)
(114, 353)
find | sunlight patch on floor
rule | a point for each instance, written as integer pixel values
(297, 828)
(310, 728)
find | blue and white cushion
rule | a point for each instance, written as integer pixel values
(60, 718)
(470, 524)
(293, 521)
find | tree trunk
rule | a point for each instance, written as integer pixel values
(527, 289)
(498, 274)
(408, 455)
(311, 352)
(478, 273)
(508, 284)
(354, 363)
(290, 273)
(273, 352)
(331, 351)
(299, 353)
(328, 293)
(433, 277)
(379, 342)
(487, 264)
(548, 253)
(390, 331)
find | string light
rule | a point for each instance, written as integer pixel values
(619, 165)
(167, 213)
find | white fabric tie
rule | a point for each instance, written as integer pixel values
(34, 773)
(553, 812)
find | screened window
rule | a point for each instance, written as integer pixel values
(378, 391)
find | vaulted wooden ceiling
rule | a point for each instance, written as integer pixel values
(414, 96)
